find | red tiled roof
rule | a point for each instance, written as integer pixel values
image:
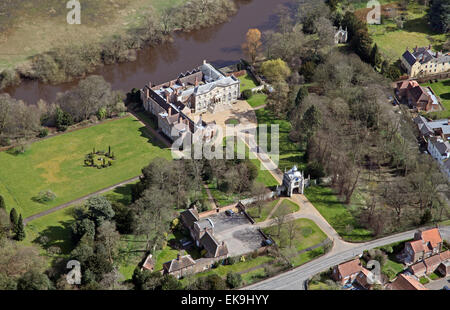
(349, 268)
(432, 261)
(432, 235)
(418, 268)
(404, 282)
(417, 246)
(445, 255)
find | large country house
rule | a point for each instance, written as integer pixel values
(422, 61)
(176, 102)
(417, 97)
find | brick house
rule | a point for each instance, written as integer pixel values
(179, 267)
(425, 244)
(347, 272)
(423, 61)
(416, 96)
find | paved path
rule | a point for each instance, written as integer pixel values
(438, 284)
(78, 200)
(274, 209)
(295, 278)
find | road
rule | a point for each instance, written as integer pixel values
(295, 278)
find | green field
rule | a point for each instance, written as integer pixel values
(36, 26)
(56, 164)
(247, 82)
(441, 89)
(393, 41)
(265, 211)
(290, 153)
(337, 214)
(257, 100)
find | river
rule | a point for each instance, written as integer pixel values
(220, 45)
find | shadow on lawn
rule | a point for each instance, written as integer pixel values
(57, 236)
(418, 25)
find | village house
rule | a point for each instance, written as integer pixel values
(422, 61)
(425, 244)
(177, 102)
(439, 262)
(179, 267)
(417, 97)
(202, 232)
(405, 282)
(437, 136)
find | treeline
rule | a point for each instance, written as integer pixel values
(93, 99)
(64, 64)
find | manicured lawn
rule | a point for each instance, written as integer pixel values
(247, 82)
(257, 100)
(307, 234)
(253, 276)
(416, 32)
(424, 280)
(434, 276)
(441, 89)
(265, 211)
(286, 207)
(290, 153)
(307, 256)
(337, 214)
(392, 268)
(56, 164)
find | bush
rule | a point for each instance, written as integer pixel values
(43, 133)
(233, 260)
(247, 94)
(234, 279)
(45, 196)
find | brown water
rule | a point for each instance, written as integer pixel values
(220, 45)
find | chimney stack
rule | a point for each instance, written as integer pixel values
(196, 81)
(170, 111)
(147, 92)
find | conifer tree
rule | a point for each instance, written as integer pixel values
(20, 229)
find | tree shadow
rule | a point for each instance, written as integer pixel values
(57, 236)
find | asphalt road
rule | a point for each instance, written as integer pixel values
(295, 278)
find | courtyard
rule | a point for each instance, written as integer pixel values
(238, 233)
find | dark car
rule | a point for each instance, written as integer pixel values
(229, 212)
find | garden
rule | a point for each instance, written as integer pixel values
(56, 165)
(441, 89)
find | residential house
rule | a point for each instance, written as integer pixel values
(440, 150)
(179, 267)
(149, 263)
(422, 61)
(425, 244)
(432, 263)
(416, 96)
(418, 269)
(366, 279)
(347, 272)
(202, 232)
(444, 268)
(439, 128)
(405, 282)
(437, 262)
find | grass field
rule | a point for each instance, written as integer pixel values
(247, 82)
(35, 26)
(337, 214)
(441, 89)
(56, 164)
(257, 100)
(265, 211)
(393, 41)
(290, 153)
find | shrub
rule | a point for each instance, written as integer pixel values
(43, 133)
(233, 260)
(45, 196)
(247, 94)
(234, 279)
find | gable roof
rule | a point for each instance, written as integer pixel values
(189, 217)
(432, 261)
(417, 246)
(410, 58)
(212, 246)
(445, 255)
(405, 282)
(418, 267)
(178, 263)
(431, 235)
(349, 268)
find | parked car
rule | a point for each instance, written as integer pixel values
(446, 288)
(267, 242)
(185, 242)
(229, 212)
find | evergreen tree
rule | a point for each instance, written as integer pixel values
(13, 217)
(301, 95)
(439, 16)
(20, 229)
(375, 57)
(2, 203)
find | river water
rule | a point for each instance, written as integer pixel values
(220, 45)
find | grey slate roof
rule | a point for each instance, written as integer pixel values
(189, 217)
(212, 246)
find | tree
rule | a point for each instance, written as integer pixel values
(107, 234)
(5, 224)
(439, 16)
(34, 280)
(20, 229)
(301, 95)
(375, 57)
(311, 121)
(2, 203)
(275, 70)
(99, 209)
(291, 231)
(252, 44)
(234, 279)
